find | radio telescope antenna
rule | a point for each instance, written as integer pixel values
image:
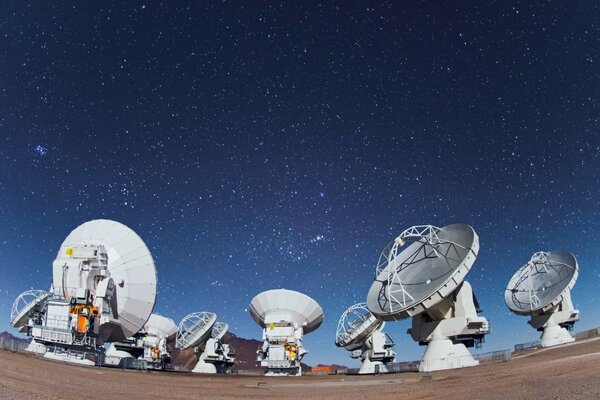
(147, 347)
(542, 289)
(217, 357)
(360, 333)
(202, 332)
(103, 289)
(285, 316)
(194, 329)
(25, 306)
(425, 280)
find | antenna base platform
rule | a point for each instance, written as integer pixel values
(554, 335)
(36, 347)
(370, 367)
(443, 354)
(202, 367)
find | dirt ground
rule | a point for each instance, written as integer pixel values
(566, 372)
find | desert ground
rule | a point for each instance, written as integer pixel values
(565, 372)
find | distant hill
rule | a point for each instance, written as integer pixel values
(7, 338)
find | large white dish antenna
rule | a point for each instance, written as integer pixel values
(416, 278)
(24, 304)
(131, 267)
(194, 329)
(277, 305)
(355, 325)
(542, 282)
(219, 330)
(161, 327)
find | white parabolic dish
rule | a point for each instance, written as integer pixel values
(130, 265)
(160, 326)
(194, 329)
(286, 305)
(424, 273)
(542, 282)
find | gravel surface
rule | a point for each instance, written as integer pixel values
(567, 372)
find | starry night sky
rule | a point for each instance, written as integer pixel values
(255, 146)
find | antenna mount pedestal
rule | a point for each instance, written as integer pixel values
(448, 329)
(555, 322)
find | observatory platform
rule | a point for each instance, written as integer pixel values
(566, 372)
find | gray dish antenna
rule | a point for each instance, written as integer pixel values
(24, 304)
(542, 282)
(421, 274)
(355, 325)
(541, 289)
(362, 335)
(415, 278)
(194, 329)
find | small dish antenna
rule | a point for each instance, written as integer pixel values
(217, 356)
(541, 289)
(147, 346)
(421, 275)
(103, 289)
(285, 316)
(202, 332)
(360, 333)
(26, 305)
(194, 329)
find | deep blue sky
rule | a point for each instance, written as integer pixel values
(255, 146)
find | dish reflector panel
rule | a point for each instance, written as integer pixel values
(355, 325)
(286, 305)
(414, 278)
(131, 267)
(219, 330)
(160, 326)
(194, 329)
(541, 283)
